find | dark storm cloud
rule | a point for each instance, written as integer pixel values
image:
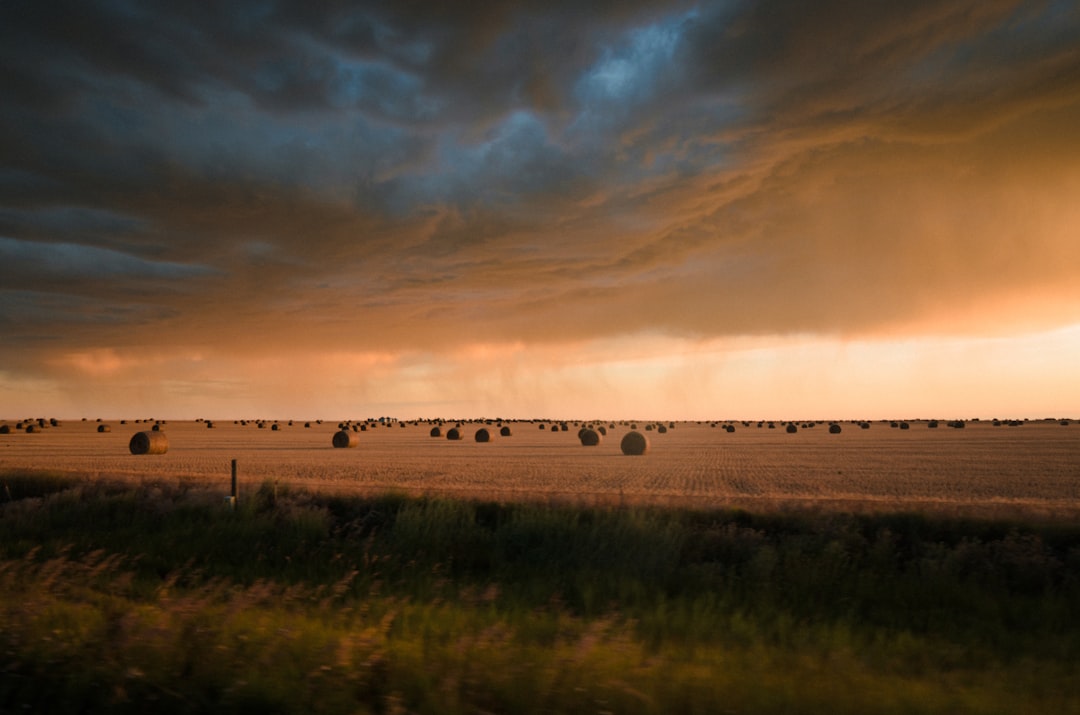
(385, 174)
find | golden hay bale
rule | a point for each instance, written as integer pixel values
(345, 439)
(104, 428)
(505, 431)
(791, 428)
(275, 427)
(662, 429)
(5, 429)
(634, 443)
(156, 428)
(834, 429)
(149, 443)
(436, 432)
(589, 437)
(453, 434)
(483, 435)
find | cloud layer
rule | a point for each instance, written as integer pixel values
(309, 178)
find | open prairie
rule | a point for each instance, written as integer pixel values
(1030, 470)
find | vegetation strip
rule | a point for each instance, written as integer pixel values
(116, 597)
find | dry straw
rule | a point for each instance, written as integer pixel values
(589, 437)
(149, 443)
(104, 428)
(345, 439)
(483, 435)
(634, 443)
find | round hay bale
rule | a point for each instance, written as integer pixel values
(104, 428)
(589, 437)
(602, 430)
(483, 435)
(436, 432)
(344, 439)
(634, 443)
(662, 429)
(505, 431)
(275, 427)
(156, 428)
(542, 426)
(149, 443)
(792, 429)
(453, 434)
(31, 429)
(905, 425)
(834, 429)
(5, 429)
(730, 429)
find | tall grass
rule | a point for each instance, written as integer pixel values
(115, 599)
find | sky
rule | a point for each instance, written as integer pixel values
(742, 209)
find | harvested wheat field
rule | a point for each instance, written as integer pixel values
(1029, 469)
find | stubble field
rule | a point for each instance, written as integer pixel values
(1027, 470)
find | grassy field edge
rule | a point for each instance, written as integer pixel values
(115, 596)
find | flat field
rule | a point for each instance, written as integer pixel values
(1029, 470)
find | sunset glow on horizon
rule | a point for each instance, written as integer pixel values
(731, 210)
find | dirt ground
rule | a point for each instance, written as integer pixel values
(1030, 470)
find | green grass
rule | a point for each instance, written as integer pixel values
(117, 599)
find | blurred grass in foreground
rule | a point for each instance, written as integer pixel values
(117, 599)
